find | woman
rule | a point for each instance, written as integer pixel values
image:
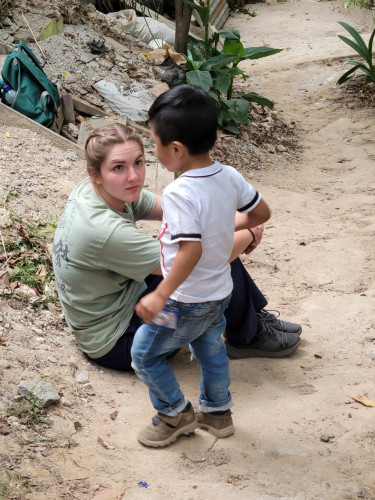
(103, 263)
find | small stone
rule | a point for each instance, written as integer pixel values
(82, 377)
(280, 148)
(325, 438)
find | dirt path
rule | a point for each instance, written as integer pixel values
(316, 265)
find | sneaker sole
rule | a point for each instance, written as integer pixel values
(188, 429)
(221, 433)
(239, 353)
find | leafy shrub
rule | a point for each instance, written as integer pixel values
(215, 70)
(365, 51)
(363, 4)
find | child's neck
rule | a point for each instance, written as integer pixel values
(196, 162)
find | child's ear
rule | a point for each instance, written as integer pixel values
(178, 148)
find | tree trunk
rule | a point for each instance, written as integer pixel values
(183, 17)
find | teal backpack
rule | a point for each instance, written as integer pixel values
(36, 96)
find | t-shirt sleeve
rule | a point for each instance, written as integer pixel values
(248, 195)
(146, 203)
(131, 252)
(181, 217)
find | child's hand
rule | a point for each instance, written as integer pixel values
(149, 306)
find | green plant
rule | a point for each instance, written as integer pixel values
(26, 252)
(30, 415)
(215, 70)
(363, 4)
(365, 51)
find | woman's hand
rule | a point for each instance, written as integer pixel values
(149, 306)
(258, 233)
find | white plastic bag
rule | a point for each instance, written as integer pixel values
(133, 101)
(144, 29)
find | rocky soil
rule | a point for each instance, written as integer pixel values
(300, 434)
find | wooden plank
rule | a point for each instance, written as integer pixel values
(68, 108)
(84, 107)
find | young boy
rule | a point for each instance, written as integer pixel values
(199, 211)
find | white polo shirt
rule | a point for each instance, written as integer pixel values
(200, 205)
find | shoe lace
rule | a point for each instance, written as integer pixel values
(270, 325)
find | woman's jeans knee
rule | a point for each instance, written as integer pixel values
(200, 325)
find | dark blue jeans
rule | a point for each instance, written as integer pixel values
(242, 321)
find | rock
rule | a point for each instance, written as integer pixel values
(44, 393)
(82, 377)
(325, 438)
(281, 149)
(270, 148)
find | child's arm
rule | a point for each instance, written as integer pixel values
(186, 259)
(259, 215)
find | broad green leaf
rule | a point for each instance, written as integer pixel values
(232, 127)
(230, 33)
(218, 62)
(204, 12)
(221, 81)
(234, 47)
(254, 97)
(258, 52)
(213, 95)
(239, 110)
(53, 28)
(193, 65)
(232, 72)
(200, 79)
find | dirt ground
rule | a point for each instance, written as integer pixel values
(315, 265)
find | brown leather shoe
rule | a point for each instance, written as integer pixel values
(217, 425)
(165, 429)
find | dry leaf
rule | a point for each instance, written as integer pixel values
(365, 401)
(114, 415)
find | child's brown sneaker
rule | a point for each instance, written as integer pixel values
(217, 425)
(165, 429)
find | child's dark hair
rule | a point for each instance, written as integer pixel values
(186, 114)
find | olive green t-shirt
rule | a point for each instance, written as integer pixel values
(100, 260)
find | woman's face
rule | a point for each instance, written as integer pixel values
(122, 175)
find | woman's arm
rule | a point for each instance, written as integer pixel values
(246, 241)
(157, 212)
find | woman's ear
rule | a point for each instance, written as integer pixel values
(95, 178)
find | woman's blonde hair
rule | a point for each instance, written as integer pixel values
(101, 140)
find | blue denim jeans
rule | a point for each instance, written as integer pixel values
(200, 325)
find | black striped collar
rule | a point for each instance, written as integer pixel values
(213, 169)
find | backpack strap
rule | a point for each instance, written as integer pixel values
(45, 100)
(22, 46)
